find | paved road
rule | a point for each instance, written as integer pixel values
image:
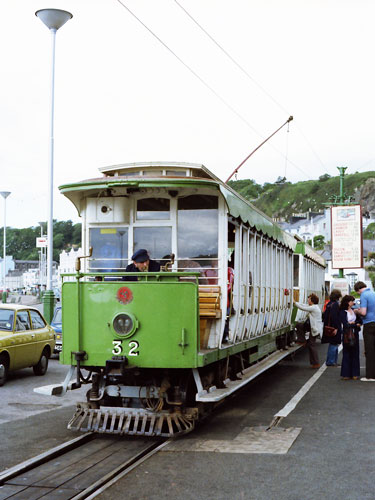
(19, 402)
(329, 451)
(332, 457)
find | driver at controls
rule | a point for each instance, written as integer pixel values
(141, 264)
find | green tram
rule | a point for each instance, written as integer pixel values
(165, 349)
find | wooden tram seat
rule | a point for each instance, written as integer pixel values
(209, 309)
(209, 302)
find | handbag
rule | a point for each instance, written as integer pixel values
(328, 330)
(349, 337)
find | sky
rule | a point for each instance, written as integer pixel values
(139, 80)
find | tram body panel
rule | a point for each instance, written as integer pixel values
(164, 316)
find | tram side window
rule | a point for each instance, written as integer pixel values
(295, 270)
(153, 209)
(110, 248)
(197, 236)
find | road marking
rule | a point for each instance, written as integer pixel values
(270, 440)
(290, 406)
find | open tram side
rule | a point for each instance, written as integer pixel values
(165, 348)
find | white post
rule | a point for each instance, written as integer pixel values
(53, 19)
(5, 195)
(50, 172)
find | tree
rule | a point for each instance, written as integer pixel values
(77, 233)
(280, 180)
(324, 177)
(371, 267)
(369, 232)
(318, 242)
(21, 243)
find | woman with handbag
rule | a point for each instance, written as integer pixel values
(332, 328)
(351, 325)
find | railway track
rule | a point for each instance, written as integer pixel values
(79, 469)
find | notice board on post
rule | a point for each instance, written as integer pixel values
(346, 237)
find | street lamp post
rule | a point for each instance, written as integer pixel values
(53, 19)
(41, 259)
(5, 195)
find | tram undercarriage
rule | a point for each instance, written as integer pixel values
(151, 402)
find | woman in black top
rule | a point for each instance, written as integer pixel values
(331, 317)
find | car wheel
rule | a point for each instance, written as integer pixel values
(41, 367)
(4, 366)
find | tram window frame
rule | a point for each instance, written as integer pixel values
(122, 260)
(184, 204)
(154, 215)
(296, 266)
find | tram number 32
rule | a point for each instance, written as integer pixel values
(118, 348)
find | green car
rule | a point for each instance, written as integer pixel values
(25, 340)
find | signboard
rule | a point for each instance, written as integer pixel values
(41, 242)
(346, 237)
(341, 284)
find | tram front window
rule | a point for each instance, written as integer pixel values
(197, 235)
(110, 248)
(157, 240)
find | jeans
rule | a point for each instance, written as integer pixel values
(332, 355)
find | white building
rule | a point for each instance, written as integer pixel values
(9, 266)
(68, 263)
(315, 225)
(311, 226)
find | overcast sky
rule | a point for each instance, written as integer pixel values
(122, 96)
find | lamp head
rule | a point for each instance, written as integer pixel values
(5, 194)
(53, 18)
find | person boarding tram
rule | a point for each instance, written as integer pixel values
(316, 326)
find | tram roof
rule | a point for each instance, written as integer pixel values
(177, 174)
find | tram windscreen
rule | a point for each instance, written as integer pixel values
(110, 248)
(197, 231)
(157, 240)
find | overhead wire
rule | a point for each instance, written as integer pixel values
(207, 85)
(239, 66)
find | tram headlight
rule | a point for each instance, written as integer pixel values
(124, 324)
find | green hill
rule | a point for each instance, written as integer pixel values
(282, 199)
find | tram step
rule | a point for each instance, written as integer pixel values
(248, 374)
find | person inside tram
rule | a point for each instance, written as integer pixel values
(230, 309)
(141, 264)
